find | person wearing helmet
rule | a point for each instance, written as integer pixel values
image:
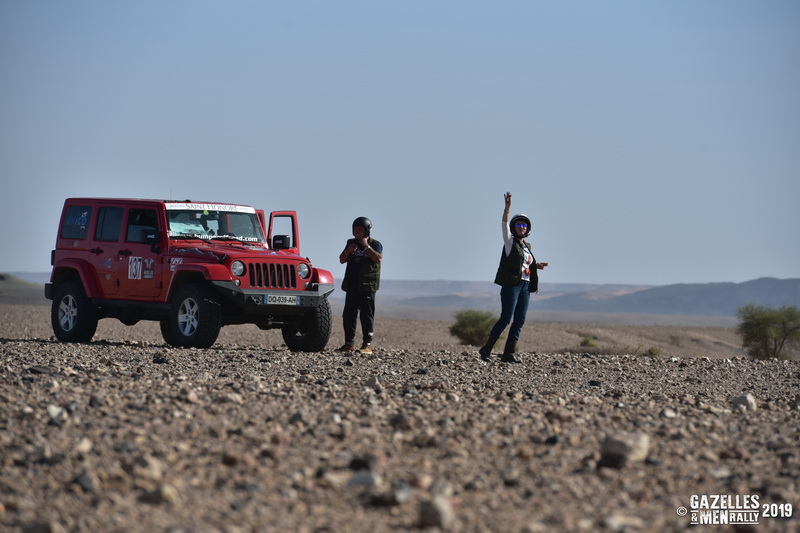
(362, 279)
(518, 277)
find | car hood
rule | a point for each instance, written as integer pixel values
(221, 251)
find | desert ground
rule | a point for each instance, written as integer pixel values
(600, 428)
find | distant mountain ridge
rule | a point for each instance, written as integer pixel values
(697, 299)
(710, 299)
(16, 290)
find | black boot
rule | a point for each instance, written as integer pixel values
(486, 351)
(508, 353)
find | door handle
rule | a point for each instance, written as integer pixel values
(125, 252)
(97, 251)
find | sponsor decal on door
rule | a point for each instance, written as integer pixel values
(135, 268)
(148, 268)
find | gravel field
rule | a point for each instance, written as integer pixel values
(125, 434)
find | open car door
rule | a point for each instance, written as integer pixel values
(284, 231)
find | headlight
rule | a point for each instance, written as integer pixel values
(237, 268)
(303, 271)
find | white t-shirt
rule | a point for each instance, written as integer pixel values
(508, 240)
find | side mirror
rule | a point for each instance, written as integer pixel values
(151, 237)
(281, 242)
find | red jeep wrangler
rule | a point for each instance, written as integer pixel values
(194, 267)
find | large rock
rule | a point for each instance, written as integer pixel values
(621, 449)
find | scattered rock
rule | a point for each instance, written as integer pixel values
(745, 402)
(399, 494)
(621, 449)
(84, 446)
(105, 436)
(436, 512)
(365, 478)
(88, 481)
(164, 493)
(43, 527)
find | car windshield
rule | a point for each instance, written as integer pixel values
(214, 221)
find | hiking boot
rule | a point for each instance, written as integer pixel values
(510, 358)
(346, 348)
(486, 354)
(365, 348)
(509, 355)
(486, 351)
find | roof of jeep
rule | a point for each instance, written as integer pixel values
(148, 200)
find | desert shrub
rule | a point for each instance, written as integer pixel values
(588, 343)
(472, 326)
(653, 351)
(768, 332)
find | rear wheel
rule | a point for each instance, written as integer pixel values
(72, 315)
(194, 319)
(311, 334)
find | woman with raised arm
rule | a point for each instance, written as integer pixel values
(518, 277)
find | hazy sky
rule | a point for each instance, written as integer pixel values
(650, 142)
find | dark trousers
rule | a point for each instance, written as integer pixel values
(514, 299)
(356, 302)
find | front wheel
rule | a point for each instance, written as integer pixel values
(194, 319)
(312, 332)
(72, 315)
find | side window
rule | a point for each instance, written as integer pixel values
(141, 222)
(109, 224)
(76, 222)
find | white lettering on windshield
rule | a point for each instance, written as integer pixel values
(212, 237)
(210, 207)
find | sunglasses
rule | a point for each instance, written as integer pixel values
(522, 225)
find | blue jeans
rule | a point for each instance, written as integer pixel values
(514, 299)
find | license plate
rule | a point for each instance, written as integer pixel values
(277, 299)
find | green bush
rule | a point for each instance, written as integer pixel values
(653, 351)
(588, 343)
(473, 327)
(768, 332)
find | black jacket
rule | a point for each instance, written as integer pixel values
(510, 270)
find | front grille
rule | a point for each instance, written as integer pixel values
(272, 276)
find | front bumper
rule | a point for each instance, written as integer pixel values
(256, 300)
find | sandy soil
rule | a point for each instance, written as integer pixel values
(400, 334)
(127, 434)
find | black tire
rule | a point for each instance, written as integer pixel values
(194, 319)
(312, 332)
(72, 315)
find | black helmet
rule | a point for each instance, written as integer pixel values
(365, 223)
(519, 218)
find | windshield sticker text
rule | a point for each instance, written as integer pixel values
(183, 206)
(173, 233)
